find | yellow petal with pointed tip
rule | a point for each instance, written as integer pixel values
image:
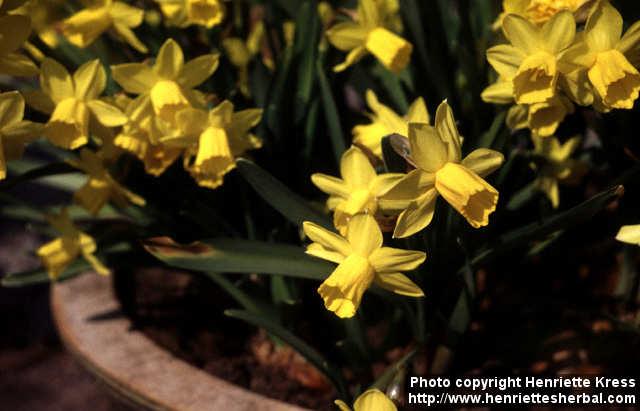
(468, 193)
(629, 234)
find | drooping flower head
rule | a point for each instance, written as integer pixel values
(84, 27)
(441, 170)
(357, 191)
(557, 165)
(529, 66)
(362, 261)
(56, 255)
(71, 100)
(169, 82)
(370, 32)
(604, 53)
(212, 140)
(100, 186)
(183, 13)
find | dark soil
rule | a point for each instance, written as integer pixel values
(184, 314)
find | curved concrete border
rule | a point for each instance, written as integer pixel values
(136, 369)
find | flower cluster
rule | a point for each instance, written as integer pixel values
(545, 69)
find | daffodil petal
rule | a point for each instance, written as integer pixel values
(417, 216)
(196, 71)
(107, 114)
(483, 161)
(327, 239)
(330, 185)
(135, 78)
(356, 169)
(387, 259)
(629, 234)
(428, 150)
(364, 234)
(55, 80)
(398, 283)
(170, 61)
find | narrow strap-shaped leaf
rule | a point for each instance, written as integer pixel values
(308, 352)
(40, 275)
(227, 255)
(44, 171)
(293, 207)
(250, 303)
(331, 114)
(306, 49)
(533, 231)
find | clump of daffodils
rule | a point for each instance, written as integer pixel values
(546, 68)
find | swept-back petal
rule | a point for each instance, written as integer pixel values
(558, 33)
(55, 80)
(135, 78)
(629, 234)
(356, 169)
(418, 112)
(198, 70)
(521, 33)
(89, 80)
(604, 27)
(347, 35)
(417, 216)
(364, 234)
(170, 60)
(387, 259)
(327, 239)
(448, 131)
(330, 185)
(427, 148)
(483, 161)
(398, 283)
(505, 59)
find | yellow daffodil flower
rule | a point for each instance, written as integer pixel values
(240, 54)
(442, 171)
(14, 31)
(370, 400)
(629, 234)
(141, 137)
(602, 52)
(170, 82)
(358, 190)
(212, 140)
(84, 27)
(557, 166)
(59, 253)
(15, 132)
(71, 100)
(370, 33)
(540, 11)
(44, 14)
(385, 121)
(362, 260)
(531, 61)
(100, 186)
(183, 13)
(543, 119)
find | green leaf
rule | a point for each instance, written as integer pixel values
(393, 86)
(225, 255)
(488, 137)
(308, 352)
(539, 229)
(523, 196)
(391, 373)
(306, 49)
(290, 205)
(331, 114)
(276, 99)
(40, 276)
(33, 174)
(249, 302)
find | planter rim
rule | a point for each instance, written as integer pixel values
(92, 327)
